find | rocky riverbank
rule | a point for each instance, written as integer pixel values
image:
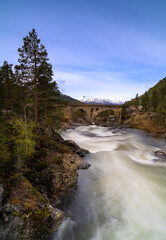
(30, 198)
(151, 122)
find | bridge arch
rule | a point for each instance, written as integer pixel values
(106, 113)
(80, 113)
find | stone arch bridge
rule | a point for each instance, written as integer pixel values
(90, 111)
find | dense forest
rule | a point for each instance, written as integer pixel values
(27, 97)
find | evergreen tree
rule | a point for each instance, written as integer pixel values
(137, 100)
(32, 54)
(145, 101)
(48, 90)
(7, 84)
(154, 99)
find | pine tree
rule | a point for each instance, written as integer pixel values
(154, 99)
(137, 100)
(32, 54)
(145, 101)
(47, 90)
(7, 84)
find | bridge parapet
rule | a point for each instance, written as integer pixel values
(89, 111)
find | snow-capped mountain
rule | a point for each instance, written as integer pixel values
(96, 100)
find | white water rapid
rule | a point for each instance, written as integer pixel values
(122, 196)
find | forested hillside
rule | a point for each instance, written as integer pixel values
(147, 111)
(154, 99)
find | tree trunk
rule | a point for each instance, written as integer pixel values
(36, 95)
(45, 125)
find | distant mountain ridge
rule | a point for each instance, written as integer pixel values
(68, 99)
(96, 100)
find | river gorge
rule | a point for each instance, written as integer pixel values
(122, 195)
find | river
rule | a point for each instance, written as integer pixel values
(122, 196)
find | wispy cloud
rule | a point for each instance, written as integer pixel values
(90, 84)
(118, 62)
(110, 48)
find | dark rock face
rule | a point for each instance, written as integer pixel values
(29, 209)
(27, 214)
(75, 148)
(81, 163)
(57, 179)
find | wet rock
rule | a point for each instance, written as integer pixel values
(82, 152)
(82, 164)
(161, 154)
(156, 160)
(58, 216)
(75, 148)
(71, 144)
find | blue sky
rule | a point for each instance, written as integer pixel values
(110, 49)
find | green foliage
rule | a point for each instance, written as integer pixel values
(8, 86)
(17, 142)
(145, 101)
(137, 100)
(40, 214)
(38, 195)
(27, 92)
(6, 145)
(24, 142)
(31, 54)
(59, 147)
(154, 99)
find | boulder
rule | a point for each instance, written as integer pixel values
(82, 164)
(161, 154)
(75, 148)
(82, 152)
(140, 108)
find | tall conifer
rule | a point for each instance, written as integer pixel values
(32, 54)
(47, 90)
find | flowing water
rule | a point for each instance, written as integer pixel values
(122, 196)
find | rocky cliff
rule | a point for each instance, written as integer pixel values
(29, 199)
(149, 121)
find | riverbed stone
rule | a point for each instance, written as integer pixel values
(75, 148)
(161, 154)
